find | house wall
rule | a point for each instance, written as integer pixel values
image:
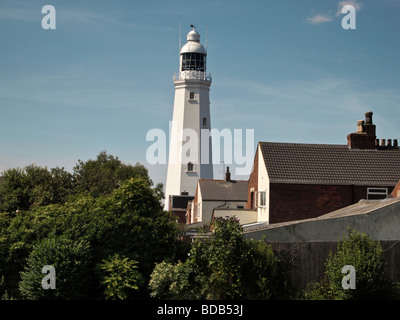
(194, 215)
(244, 216)
(263, 185)
(180, 215)
(381, 224)
(209, 206)
(289, 202)
(253, 182)
(396, 190)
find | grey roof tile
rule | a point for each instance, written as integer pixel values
(221, 190)
(334, 164)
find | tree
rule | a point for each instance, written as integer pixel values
(119, 277)
(126, 218)
(71, 262)
(366, 256)
(266, 275)
(226, 266)
(33, 186)
(129, 222)
(106, 173)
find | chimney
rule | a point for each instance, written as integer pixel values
(368, 117)
(395, 143)
(227, 175)
(369, 127)
(365, 137)
(360, 126)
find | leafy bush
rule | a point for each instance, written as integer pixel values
(226, 266)
(71, 262)
(119, 277)
(365, 255)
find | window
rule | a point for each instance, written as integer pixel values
(377, 193)
(193, 61)
(196, 212)
(191, 96)
(189, 167)
(239, 207)
(263, 200)
(252, 204)
(204, 122)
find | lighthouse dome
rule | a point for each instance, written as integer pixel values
(193, 43)
(193, 35)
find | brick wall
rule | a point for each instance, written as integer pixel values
(290, 202)
(361, 141)
(396, 191)
(195, 212)
(253, 183)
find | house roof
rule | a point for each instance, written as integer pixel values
(221, 190)
(333, 164)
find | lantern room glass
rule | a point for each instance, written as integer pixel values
(193, 61)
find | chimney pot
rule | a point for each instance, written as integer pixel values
(360, 126)
(383, 142)
(368, 117)
(389, 142)
(227, 175)
(395, 143)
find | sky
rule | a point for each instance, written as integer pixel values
(104, 76)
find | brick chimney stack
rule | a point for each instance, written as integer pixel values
(365, 137)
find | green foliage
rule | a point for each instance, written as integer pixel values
(365, 255)
(70, 260)
(227, 252)
(266, 274)
(119, 277)
(128, 221)
(226, 266)
(33, 186)
(174, 281)
(101, 176)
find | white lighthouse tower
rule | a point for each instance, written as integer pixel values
(190, 156)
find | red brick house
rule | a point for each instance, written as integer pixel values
(293, 181)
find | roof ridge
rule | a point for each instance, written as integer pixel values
(302, 143)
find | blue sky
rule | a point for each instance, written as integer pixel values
(103, 78)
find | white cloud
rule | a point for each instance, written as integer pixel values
(319, 18)
(357, 5)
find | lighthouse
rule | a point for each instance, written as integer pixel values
(190, 149)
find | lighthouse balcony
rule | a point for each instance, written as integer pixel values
(192, 75)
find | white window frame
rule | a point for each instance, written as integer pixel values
(384, 192)
(187, 167)
(263, 199)
(257, 199)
